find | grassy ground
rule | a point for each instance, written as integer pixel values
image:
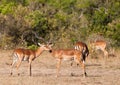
(100, 72)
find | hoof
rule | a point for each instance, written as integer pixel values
(72, 74)
(11, 74)
(85, 75)
(18, 74)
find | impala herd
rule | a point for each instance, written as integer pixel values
(78, 54)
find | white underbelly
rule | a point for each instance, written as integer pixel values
(25, 58)
(67, 57)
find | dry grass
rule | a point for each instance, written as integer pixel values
(100, 72)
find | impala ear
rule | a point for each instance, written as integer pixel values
(40, 44)
(51, 45)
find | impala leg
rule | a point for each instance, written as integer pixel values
(105, 58)
(30, 72)
(82, 64)
(58, 67)
(18, 65)
(15, 58)
(12, 66)
(84, 68)
(106, 53)
(71, 63)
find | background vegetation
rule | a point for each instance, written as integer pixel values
(62, 22)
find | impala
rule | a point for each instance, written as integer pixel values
(68, 54)
(99, 45)
(20, 55)
(83, 48)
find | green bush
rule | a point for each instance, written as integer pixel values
(33, 47)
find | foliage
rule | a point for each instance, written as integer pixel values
(7, 8)
(62, 22)
(32, 47)
(114, 31)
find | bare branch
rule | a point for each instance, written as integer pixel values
(35, 36)
(81, 15)
(38, 37)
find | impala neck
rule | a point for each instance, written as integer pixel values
(39, 51)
